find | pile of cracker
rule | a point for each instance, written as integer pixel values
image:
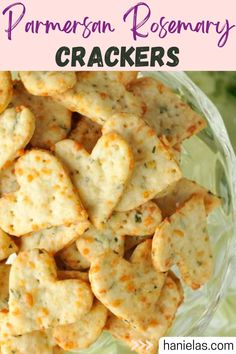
(94, 204)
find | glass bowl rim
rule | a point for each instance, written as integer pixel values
(221, 134)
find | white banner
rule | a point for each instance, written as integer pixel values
(200, 345)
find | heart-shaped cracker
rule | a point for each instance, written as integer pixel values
(4, 287)
(47, 83)
(98, 95)
(165, 111)
(5, 89)
(170, 299)
(8, 182)
(171, 293)
(55, 238)
(182, 191)
(71, 258)
(38, 300)
(7, 246)
(83, 333)
(53, 121)
(4, 283)
(123, 286)
(37, 342)
(138, 222)
(46, 196)
(94, 243)
(183, 239)
(16, 129)
(100, 177)
(86, 133)
(135, 340)
(154, 168)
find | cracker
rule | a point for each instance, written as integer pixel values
(94, 243)
(147, 342)
(8, 182)
(72, 274)
(46, 196)
(125, 77)
(100, 177)
(47, 83)
(133, 241)
(38, 300)
(5, 89)
(34, 343)
(154, 168)
(4, 287)
(37, 342)
(142, 254)
(182, 239)
(97, 96)
(73, 259)
(16, 129)
(135, 340)
(123, 286)
(7, 246)
(83, 333)
(55, 238)
(165, 111)
(175, 151)
(87, 133)
(53, 121)
(141, 221)
(183, 190)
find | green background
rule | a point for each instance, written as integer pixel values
(220, 87)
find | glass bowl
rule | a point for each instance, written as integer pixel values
(208, 159)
